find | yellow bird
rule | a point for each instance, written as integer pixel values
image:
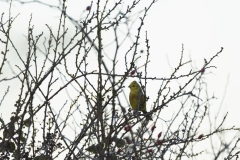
(137, 99)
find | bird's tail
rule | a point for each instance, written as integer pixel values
(148, 116)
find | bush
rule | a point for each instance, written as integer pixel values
(72, 101)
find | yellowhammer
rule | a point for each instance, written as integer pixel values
(137, 99)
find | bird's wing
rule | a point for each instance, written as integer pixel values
(142, 106)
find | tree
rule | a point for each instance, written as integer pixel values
(72, 102)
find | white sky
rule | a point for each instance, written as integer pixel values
(203, 26)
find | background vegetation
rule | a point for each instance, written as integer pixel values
(72, 102)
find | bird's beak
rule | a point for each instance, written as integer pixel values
(128, 86)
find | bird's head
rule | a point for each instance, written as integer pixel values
(134, 86)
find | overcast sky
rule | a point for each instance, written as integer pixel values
(203, 26)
